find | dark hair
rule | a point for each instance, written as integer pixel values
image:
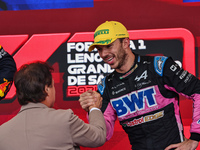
(30, 82)
(121, 39)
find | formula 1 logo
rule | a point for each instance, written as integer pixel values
(84, 70)
(37, 47)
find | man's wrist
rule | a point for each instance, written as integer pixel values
(93, 108)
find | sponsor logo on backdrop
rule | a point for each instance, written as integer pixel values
(86, 69)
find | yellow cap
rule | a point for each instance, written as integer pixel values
(108, 32)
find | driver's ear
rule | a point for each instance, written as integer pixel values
(47, 89)
(126, 43)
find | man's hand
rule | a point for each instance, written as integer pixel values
(188, 144)
(90, 99)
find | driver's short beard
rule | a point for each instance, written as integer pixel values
(122, 56)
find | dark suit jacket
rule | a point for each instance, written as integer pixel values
(37, 127)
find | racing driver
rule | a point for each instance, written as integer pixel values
(143, 93)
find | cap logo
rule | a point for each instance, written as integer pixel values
(104, 31)
(120, 34)
(104, 42)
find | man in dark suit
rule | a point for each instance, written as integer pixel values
(38, 126)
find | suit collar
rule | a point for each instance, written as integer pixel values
(32, 105)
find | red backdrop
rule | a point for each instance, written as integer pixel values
(25, 34)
